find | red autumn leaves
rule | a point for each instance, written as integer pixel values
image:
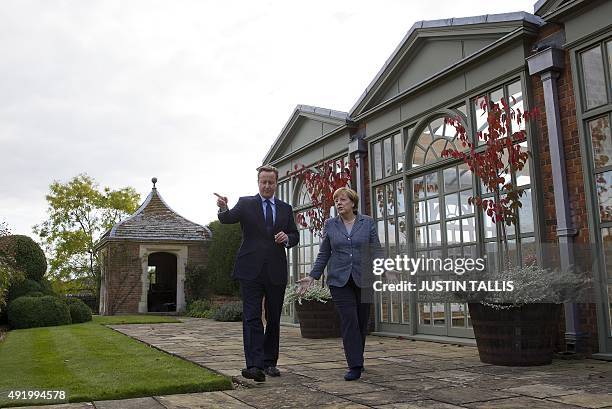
(495, 157)
(321, 181)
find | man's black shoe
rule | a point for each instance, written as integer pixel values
(254, 373)
(272, 371)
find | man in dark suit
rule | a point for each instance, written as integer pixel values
(268, 229)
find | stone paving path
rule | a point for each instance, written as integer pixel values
(399, 374)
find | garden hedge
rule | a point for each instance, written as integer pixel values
(222, 253)
(22, 288)
(30, 312)
(79, 311)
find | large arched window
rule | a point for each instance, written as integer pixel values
(434, 138)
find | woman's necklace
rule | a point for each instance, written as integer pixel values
(350, 222)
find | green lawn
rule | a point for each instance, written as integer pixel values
(91, 362)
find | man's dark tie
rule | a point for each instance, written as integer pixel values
(269, 217)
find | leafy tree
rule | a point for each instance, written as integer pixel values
(8, 272)
(78, 214)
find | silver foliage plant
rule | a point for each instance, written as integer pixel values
(314, 293)
(535, 284)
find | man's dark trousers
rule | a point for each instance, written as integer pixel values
(261, 348)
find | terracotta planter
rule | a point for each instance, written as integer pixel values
(520, 336)
(318, 320)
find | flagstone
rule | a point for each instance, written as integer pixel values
(460, 395)
(202, 401)
(520, 402)
(420, 404)
(293, 396)
(137, 403)
(541, 390)
(384, 397)
(341, 387)
(586, 400)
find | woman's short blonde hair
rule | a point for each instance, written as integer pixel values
(351, 194)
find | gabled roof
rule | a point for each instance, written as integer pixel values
(329, 116)
(155, 220)
(559, 10)
(421, 31)
(543, 7)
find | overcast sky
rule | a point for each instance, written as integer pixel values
(192, 92)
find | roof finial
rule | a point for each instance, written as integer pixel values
(154, 180)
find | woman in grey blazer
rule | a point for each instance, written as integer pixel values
(348, 243)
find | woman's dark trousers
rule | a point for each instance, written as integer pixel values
(354, 315)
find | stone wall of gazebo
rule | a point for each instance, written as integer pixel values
(124, 265)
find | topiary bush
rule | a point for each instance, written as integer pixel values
(35, 294)
(27, 254)
(24, 287)
(229, 312)
(79, 311)
(31, 312)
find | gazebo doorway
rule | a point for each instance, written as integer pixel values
(162, 282)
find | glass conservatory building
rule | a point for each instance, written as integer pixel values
(558, 60)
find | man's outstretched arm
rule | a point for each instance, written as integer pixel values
(226, 215)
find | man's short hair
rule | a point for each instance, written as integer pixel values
(351, 194)
(267, 168)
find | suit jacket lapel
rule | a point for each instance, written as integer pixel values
(259, 213)
(279, 214)
(357, 225)
(340, 225)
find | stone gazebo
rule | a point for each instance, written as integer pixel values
(143, 259)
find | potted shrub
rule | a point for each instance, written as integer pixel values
(517, 328)
(316, 312)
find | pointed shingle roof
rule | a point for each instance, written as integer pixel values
(155, 220)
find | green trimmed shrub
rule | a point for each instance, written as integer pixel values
(31, 312)
(35, 294)
(199, 305)
(79, 311)
(229, 312)
(197, 286)
(199, 309)
(222, 253)
(28, 256)
(22, 288)
(47, 287)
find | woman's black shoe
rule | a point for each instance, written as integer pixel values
(353, 374)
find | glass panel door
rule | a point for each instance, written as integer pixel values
(444, 227)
